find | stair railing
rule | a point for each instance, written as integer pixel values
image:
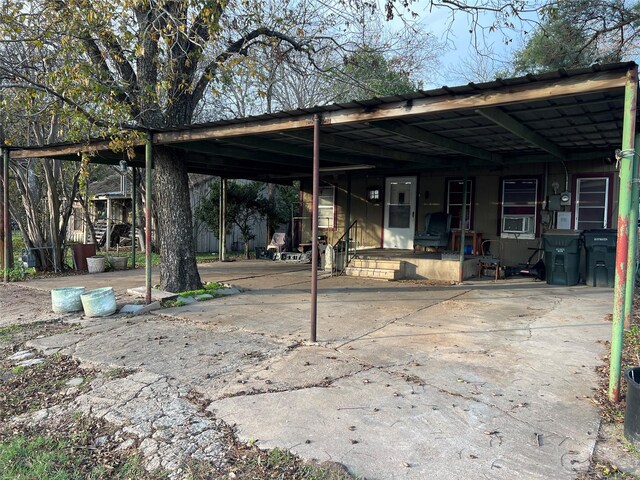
(347, 247)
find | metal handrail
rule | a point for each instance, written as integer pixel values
(345, 240)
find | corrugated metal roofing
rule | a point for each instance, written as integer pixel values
(585, 123)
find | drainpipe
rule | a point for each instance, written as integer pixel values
(147, 250)
(463, 222)
(314, 227)
(622, 247)
(633, 241)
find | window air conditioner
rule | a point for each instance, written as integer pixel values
(517, 225)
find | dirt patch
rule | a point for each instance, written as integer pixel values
(613, 452)
(21, 305)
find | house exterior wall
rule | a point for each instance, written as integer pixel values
(431, 198)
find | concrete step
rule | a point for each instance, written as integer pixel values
(377, 263)
(382, 273)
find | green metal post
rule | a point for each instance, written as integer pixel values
(622, 247)
(5, 213)
(147, 244)
(633, 241)
(133, 217)
(463, 222)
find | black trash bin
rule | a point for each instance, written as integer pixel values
(562, 256)
(600, 256)
(632, 410)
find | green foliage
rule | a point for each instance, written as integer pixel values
(247, 204)
(7, 332)
(25, 457)
(371, 74)
(568, 37)
(209, 288)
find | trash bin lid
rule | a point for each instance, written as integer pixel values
(563, 233)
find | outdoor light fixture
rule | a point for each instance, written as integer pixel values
(374, 194)
(123, 165)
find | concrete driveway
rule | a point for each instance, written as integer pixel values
(408, 380)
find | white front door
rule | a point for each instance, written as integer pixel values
(399, 212)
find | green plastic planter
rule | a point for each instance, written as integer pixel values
(99, 302)
(65, 300)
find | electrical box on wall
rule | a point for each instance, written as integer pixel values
(554, 203)
(565, 199)
(564, 221)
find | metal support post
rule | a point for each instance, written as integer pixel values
(109, 224)
(622, 247)
(5, 213)
(223, 220)
(347, 219)
(133, 217)
(463, 222)
(147, 229)
(633, 240)
(314, 227)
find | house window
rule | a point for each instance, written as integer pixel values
(326, 207)
(454, 202)
(592, 203)
(519, 208)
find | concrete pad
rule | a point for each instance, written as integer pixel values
(131, 308)
(31, 362)
(408, 380)
(21, 355)
(156, 295)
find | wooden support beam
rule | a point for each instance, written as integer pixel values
(509, 123)
(414, 133)
(587, 83)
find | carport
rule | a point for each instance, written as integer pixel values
(568, 116)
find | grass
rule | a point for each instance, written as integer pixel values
(70, 453)
(209, 289)
(251, 463)
(6, 333)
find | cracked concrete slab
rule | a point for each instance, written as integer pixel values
(481, 380)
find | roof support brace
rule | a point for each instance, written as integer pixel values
(509, 123)
(148, 153)
(622, 247)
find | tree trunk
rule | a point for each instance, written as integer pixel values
(178, 270)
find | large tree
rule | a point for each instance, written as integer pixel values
(577, 33)
(149, 64)
(142, 64)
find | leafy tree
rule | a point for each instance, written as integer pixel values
(248, 202)
(578, 33)
(371, 74)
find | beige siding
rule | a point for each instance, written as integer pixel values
(431, 198)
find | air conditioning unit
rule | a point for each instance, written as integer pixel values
(517, 224)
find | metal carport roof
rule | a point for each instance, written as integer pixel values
(566, 114)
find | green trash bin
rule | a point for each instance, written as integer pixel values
(562, 256)
(600, 256)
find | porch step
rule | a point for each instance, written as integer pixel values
(381, 273)
(378, 264)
